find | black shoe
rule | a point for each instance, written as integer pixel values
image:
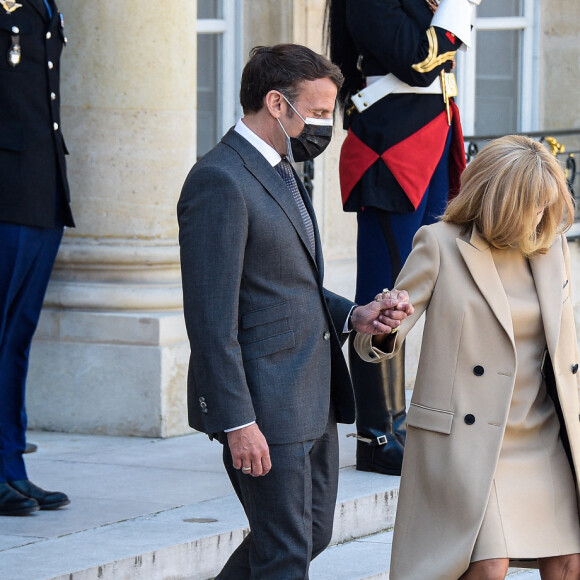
(30, 447)
(47, 500)
(13, 503)
(382, 454)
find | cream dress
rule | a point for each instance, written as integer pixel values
(532, 508)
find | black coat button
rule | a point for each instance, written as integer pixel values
(469, 419)
(478, 370)
(574, 368)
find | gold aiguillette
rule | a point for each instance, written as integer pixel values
(10, 5)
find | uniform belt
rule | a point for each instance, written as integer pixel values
(381, 86)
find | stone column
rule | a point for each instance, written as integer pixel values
(110, 355)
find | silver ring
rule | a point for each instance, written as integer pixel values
(246, 469)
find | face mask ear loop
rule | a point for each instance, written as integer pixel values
(289, 154)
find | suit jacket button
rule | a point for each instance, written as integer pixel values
(574, 368)
(326, 335)
(469, 419)
(478, 370)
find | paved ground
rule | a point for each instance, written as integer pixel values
(113, 482)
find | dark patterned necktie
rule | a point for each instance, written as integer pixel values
(285, 170)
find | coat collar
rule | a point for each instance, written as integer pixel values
(259, 167)
(549, 278)
(547, 272)
(478, 259)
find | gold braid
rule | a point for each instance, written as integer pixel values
(433, 4)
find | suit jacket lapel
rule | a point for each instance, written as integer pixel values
(257, 165)
(478, 259)
(549, 278)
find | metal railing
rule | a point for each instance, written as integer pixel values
(567, 154)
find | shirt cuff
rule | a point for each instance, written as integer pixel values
(346, 329)
(240, 427)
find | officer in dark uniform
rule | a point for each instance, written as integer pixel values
(34, 209)
(402, 157)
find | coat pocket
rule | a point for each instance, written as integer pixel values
(266, 331)
(429, 418)
(265, 315)
(268, 346)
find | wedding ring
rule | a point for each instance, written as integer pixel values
(246, 469)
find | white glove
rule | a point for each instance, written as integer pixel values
(455, 16)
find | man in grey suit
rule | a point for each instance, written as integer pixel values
(267, 377)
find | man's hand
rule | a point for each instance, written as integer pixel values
(250, 450)
(383, 314)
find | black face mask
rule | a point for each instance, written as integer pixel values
(311, 142)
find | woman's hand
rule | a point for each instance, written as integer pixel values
(384, 315)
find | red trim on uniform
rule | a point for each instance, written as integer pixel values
(450, 36)
(355, 160)
(413, 161)
(457, 161)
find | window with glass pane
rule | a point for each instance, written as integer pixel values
(209, 9)
(497, 83)
(500, 8)
(209, 63)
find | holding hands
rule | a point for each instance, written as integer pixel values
(384, 314)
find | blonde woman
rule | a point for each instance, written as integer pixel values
(493, 450)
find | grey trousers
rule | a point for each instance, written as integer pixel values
(290, 510)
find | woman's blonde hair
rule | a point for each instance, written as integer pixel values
(503, 188)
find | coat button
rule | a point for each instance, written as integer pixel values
(478, 370)
(326, 335)
(574, 368)
(53, 96)
(15, 30)
(469, 419)
(50, 64)
(55, 126)
(48, 35)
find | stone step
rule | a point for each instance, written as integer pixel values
(367, 558)
(190, 542)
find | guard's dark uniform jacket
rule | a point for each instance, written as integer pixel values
(387, 159)
(33, 185)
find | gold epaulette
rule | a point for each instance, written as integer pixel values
(433, 59)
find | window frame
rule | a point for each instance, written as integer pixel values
(466, 67)
(230, 28)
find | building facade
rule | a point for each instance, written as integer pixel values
(145, 93)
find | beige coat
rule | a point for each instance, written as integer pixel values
(463, 390)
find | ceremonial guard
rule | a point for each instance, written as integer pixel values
(34, 209)
(402, 158)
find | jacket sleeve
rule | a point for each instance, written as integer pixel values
(339, 309)
(418, 277)
(212, 257)
(414, 54)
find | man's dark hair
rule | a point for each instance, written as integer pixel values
(282, 67)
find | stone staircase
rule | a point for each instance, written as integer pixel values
(164, 510)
